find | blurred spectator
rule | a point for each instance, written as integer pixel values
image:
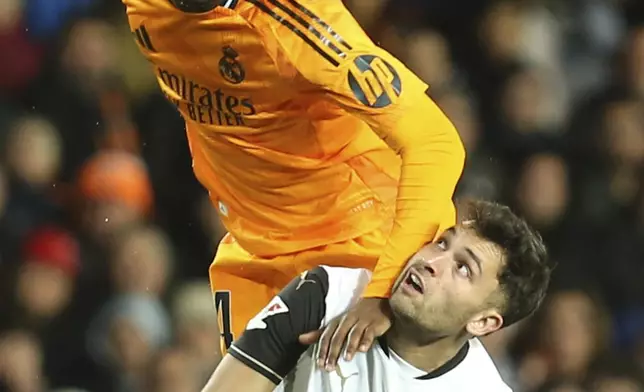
(616, 375)
(142, 262)
(6, 243)
(194, 319)
(428, 55)
(89, 53)
(116, 192)
(593, 30)
(634, 67)
(124, 338)
(573, 334)
(367, 12)
(500, 36)
(529, 118)
(84, 94)
(543, 191)
(41, 299)
(34, 151)
(541, 35)
(45, 283)
(46, 18)
(23, 65)
(174, 370)
(33, 158)
(482, 176)
(612, 183)
(561, 386)
(638, 350)
(21, 362)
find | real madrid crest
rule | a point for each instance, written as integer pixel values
(230, 68)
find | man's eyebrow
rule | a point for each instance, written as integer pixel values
(474, 257)
(450, 232)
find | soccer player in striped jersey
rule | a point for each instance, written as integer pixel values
(316, 146)
(487, 272)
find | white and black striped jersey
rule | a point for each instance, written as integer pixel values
(270, 346)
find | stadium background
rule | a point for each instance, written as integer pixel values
(105, 235)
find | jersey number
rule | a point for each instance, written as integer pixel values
(374, 82)
(222, 306)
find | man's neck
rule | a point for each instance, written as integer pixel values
(427, 355)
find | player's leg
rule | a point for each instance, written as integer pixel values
(242, 285)
(360, 252)
(237, 300)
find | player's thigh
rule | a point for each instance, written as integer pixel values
(241, 286)
(237, 300)
(360, 252)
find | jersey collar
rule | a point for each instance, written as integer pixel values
(446, 367)
(200, 6)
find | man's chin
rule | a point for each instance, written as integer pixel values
(401, 305)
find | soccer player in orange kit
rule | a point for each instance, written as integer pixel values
(317, 147)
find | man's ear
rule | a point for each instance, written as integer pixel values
(484, 323)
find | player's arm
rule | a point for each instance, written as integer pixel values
(228, 374)
(269, 349)
(370, 83)
(328, 54)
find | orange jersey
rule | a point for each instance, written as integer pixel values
(297, 123)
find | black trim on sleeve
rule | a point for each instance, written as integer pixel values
(300, 28)
(253, 364)
(270, 343)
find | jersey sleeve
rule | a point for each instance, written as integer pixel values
(336, 59)
(270, 345)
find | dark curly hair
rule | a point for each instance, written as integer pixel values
(525, 275)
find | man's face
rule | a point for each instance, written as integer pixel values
(451, 285)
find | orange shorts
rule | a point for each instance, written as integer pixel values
(243, 283)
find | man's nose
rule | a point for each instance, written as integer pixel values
(435, 266)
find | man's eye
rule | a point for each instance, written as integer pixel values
(442, 244)
(464, 270)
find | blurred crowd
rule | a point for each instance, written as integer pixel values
(106, 237)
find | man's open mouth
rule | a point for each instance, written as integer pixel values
(415, 281)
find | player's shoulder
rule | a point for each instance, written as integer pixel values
(332, 283)
(311, 300)
(341, 274)
(343, 279)
(344, 286)
(307, 20)
(323, 28)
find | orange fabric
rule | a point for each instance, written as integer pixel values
(252, 281)
(304, 147)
